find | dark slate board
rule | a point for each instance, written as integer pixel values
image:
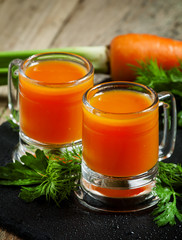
(41, 220)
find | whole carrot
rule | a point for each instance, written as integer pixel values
(123, 51)
(130, 49)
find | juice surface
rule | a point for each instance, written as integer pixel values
(121, 101)
(120, 144)
(55, 72)
(50, 104)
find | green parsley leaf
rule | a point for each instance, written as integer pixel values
(38, 163)
(18, 174)
(167, 213)
(168, 186)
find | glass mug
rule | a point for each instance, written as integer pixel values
(49, 99)
(121, 149)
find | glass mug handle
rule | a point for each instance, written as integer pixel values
(167, 144)
(13, 89)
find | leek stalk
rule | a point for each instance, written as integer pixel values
(98, 56)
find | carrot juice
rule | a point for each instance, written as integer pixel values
(120, 132)
(50, 96)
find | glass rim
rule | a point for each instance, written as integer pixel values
(70, 83)
(114, 83)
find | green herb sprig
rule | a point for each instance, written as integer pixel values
(169, 190)
(52, 176)
(150, 74)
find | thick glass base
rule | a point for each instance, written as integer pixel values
(29, 145)
(117, 194)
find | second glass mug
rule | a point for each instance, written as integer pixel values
(121, 145)
(48, 97)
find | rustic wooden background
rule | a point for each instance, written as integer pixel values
(34, 24)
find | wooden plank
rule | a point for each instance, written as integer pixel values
(5, 114)
(32, 24)
(97, 22)
(3, 104)
(3, 92)
(7, 236)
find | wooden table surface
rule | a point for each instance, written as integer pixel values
(31, 24)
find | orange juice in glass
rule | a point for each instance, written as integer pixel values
(51, 86)
(121, 146)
